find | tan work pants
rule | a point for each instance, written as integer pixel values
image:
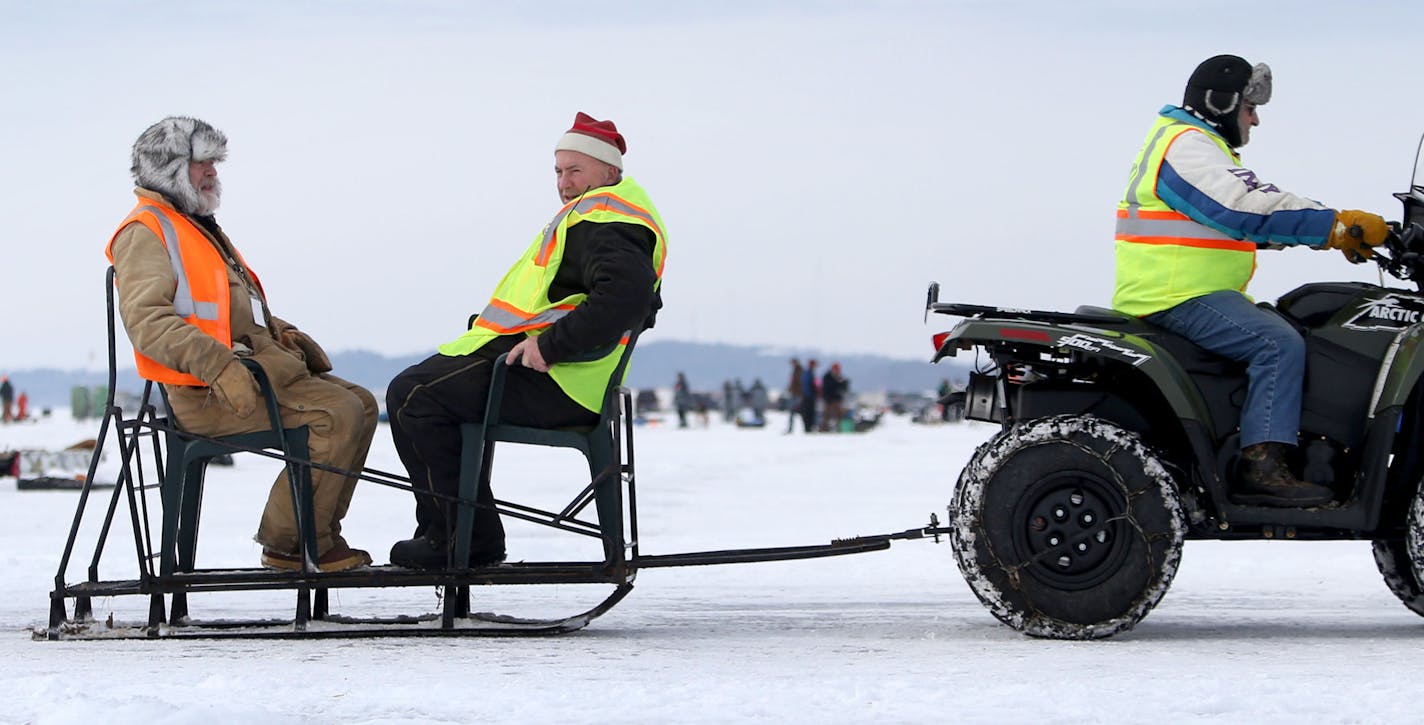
(341, 420)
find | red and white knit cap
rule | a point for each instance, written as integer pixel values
(599, 139)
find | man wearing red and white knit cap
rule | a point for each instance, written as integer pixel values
(599, 139)
(587, 284)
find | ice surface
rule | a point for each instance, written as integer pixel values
(1272, 631)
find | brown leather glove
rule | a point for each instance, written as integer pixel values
(236, 389)
(1355, 232)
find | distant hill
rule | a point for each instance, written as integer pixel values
(655, 365)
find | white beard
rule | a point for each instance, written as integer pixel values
(209, 201)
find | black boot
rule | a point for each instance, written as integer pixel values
(1266, 480)
(426, 552)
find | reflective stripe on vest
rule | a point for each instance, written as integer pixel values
(201, 287)
(603, 200)
(183, 304)
(1163, 256)
(506, 319)
(520, 303)
(1169, 227)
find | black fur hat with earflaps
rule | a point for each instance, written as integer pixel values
(1217, 87)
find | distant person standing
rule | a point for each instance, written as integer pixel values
(22, 406)
(757, 399)
(7, 397)
(681, 399)
(810, 394)
(833, 390)
(944, 392)
(793, 395)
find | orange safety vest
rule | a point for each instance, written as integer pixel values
(200, 278)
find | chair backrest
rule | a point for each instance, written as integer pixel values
(610, 395)
(146, 399)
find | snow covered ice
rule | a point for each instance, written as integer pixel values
(1271, 631)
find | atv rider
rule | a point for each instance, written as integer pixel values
(1187, 233)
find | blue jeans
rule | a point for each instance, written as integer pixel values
(1229, 325)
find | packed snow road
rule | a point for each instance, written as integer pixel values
(1267, 630)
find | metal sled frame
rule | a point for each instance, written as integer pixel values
(168, 585)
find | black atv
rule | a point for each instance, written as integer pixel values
(1120, 441)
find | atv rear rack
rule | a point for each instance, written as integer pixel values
(960, 309)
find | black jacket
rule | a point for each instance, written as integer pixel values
(833, 387)
(611, 262)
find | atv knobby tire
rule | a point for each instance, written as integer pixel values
(1392, 558)
(1407, 557)
(1067, 527)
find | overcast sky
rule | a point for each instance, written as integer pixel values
(817, 164)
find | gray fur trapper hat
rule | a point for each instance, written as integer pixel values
(162, 152)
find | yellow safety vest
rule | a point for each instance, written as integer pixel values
(521, 304)
(1165, 257)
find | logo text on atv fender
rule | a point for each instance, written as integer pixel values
(1088, 343)
(1391, 312)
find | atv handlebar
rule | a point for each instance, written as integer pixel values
(1402, 253)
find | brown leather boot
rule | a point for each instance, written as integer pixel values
(1266, 480)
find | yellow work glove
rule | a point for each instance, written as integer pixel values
(1355, 232)
(236, 389)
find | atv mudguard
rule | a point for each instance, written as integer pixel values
(1091, 342)
(1404, 369)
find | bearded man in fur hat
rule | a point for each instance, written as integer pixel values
(192, 308)
(563, 313)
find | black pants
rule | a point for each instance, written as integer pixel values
(808, 413)
(426, 404)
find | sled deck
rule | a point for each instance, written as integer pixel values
(331, 626)
(312, 619)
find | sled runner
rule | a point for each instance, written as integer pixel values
(161, 477)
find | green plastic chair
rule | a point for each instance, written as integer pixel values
(182, 477)
(598, 443)
(188, 458)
